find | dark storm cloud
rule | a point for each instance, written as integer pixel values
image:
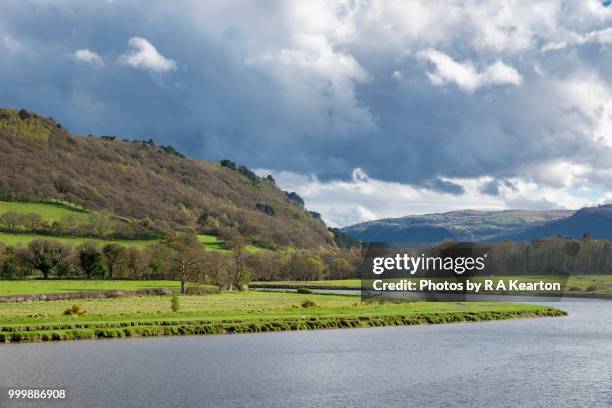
(317, 91)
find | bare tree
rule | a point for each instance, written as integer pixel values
(239, 271)
(11, 219)
(187, 257)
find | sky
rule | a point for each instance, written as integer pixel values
(367, 109)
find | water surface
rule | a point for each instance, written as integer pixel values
(546, 362)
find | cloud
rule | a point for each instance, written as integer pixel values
(362, 198)
(12, 45)
(142, 54)
(321, 88)
(88, 57)
(465, 74)
(603, 37)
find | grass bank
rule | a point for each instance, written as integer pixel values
(235, 313)
(37, 287)
(577, 285)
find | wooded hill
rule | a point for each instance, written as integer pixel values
(466, 225)
(154, 186)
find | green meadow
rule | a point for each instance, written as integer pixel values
(583, 284)
(210, 242)
(577, 285)
(234, 313)
(48, 211)
(39, 286)
(9, 239)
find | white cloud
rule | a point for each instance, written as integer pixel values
(559, 173)
(142, 54)
(603, 37)
(465, 74)
(588, 99)
(89, 57)
(362, 198)
(12, 45)
(319, 78)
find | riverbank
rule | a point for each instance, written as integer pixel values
(228, 313)
(579, 286)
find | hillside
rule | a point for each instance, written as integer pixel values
(468, 225)
(153, 187)
(596, 222)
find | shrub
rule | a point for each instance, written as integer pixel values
(24, 114)
(158, 291)
(175, 305)
(593, 287)
(75, 310)
(195, 290)
(574, 289)
(308, 303)
(304, 291)
(113, 294)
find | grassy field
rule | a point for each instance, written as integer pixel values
(37, 287)
(319, 284)
(23, 239)
(210, 242)
(49, 212)
(581, 282)
(234, 313)
(215, 244)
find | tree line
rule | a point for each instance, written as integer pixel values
(548, 256)
(551, 256)
(179, 256)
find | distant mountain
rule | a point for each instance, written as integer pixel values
(152, 185)
(594, 221)
(466, 225)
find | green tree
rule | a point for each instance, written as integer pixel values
(305, 265)
(113, 254)
(44, 255)
(90, 259)
(341, 268)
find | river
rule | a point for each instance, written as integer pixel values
(546, 362)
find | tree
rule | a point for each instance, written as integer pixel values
(32, 221)
(90, 259)
(158, 256)
(305, 265)
(267, 266)
(216, 269)
(112, 257)
(45, 255)
(99, 225)
(341, 268)
(134, 263)
(11, 219)
(239, 271)
(186, 256)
